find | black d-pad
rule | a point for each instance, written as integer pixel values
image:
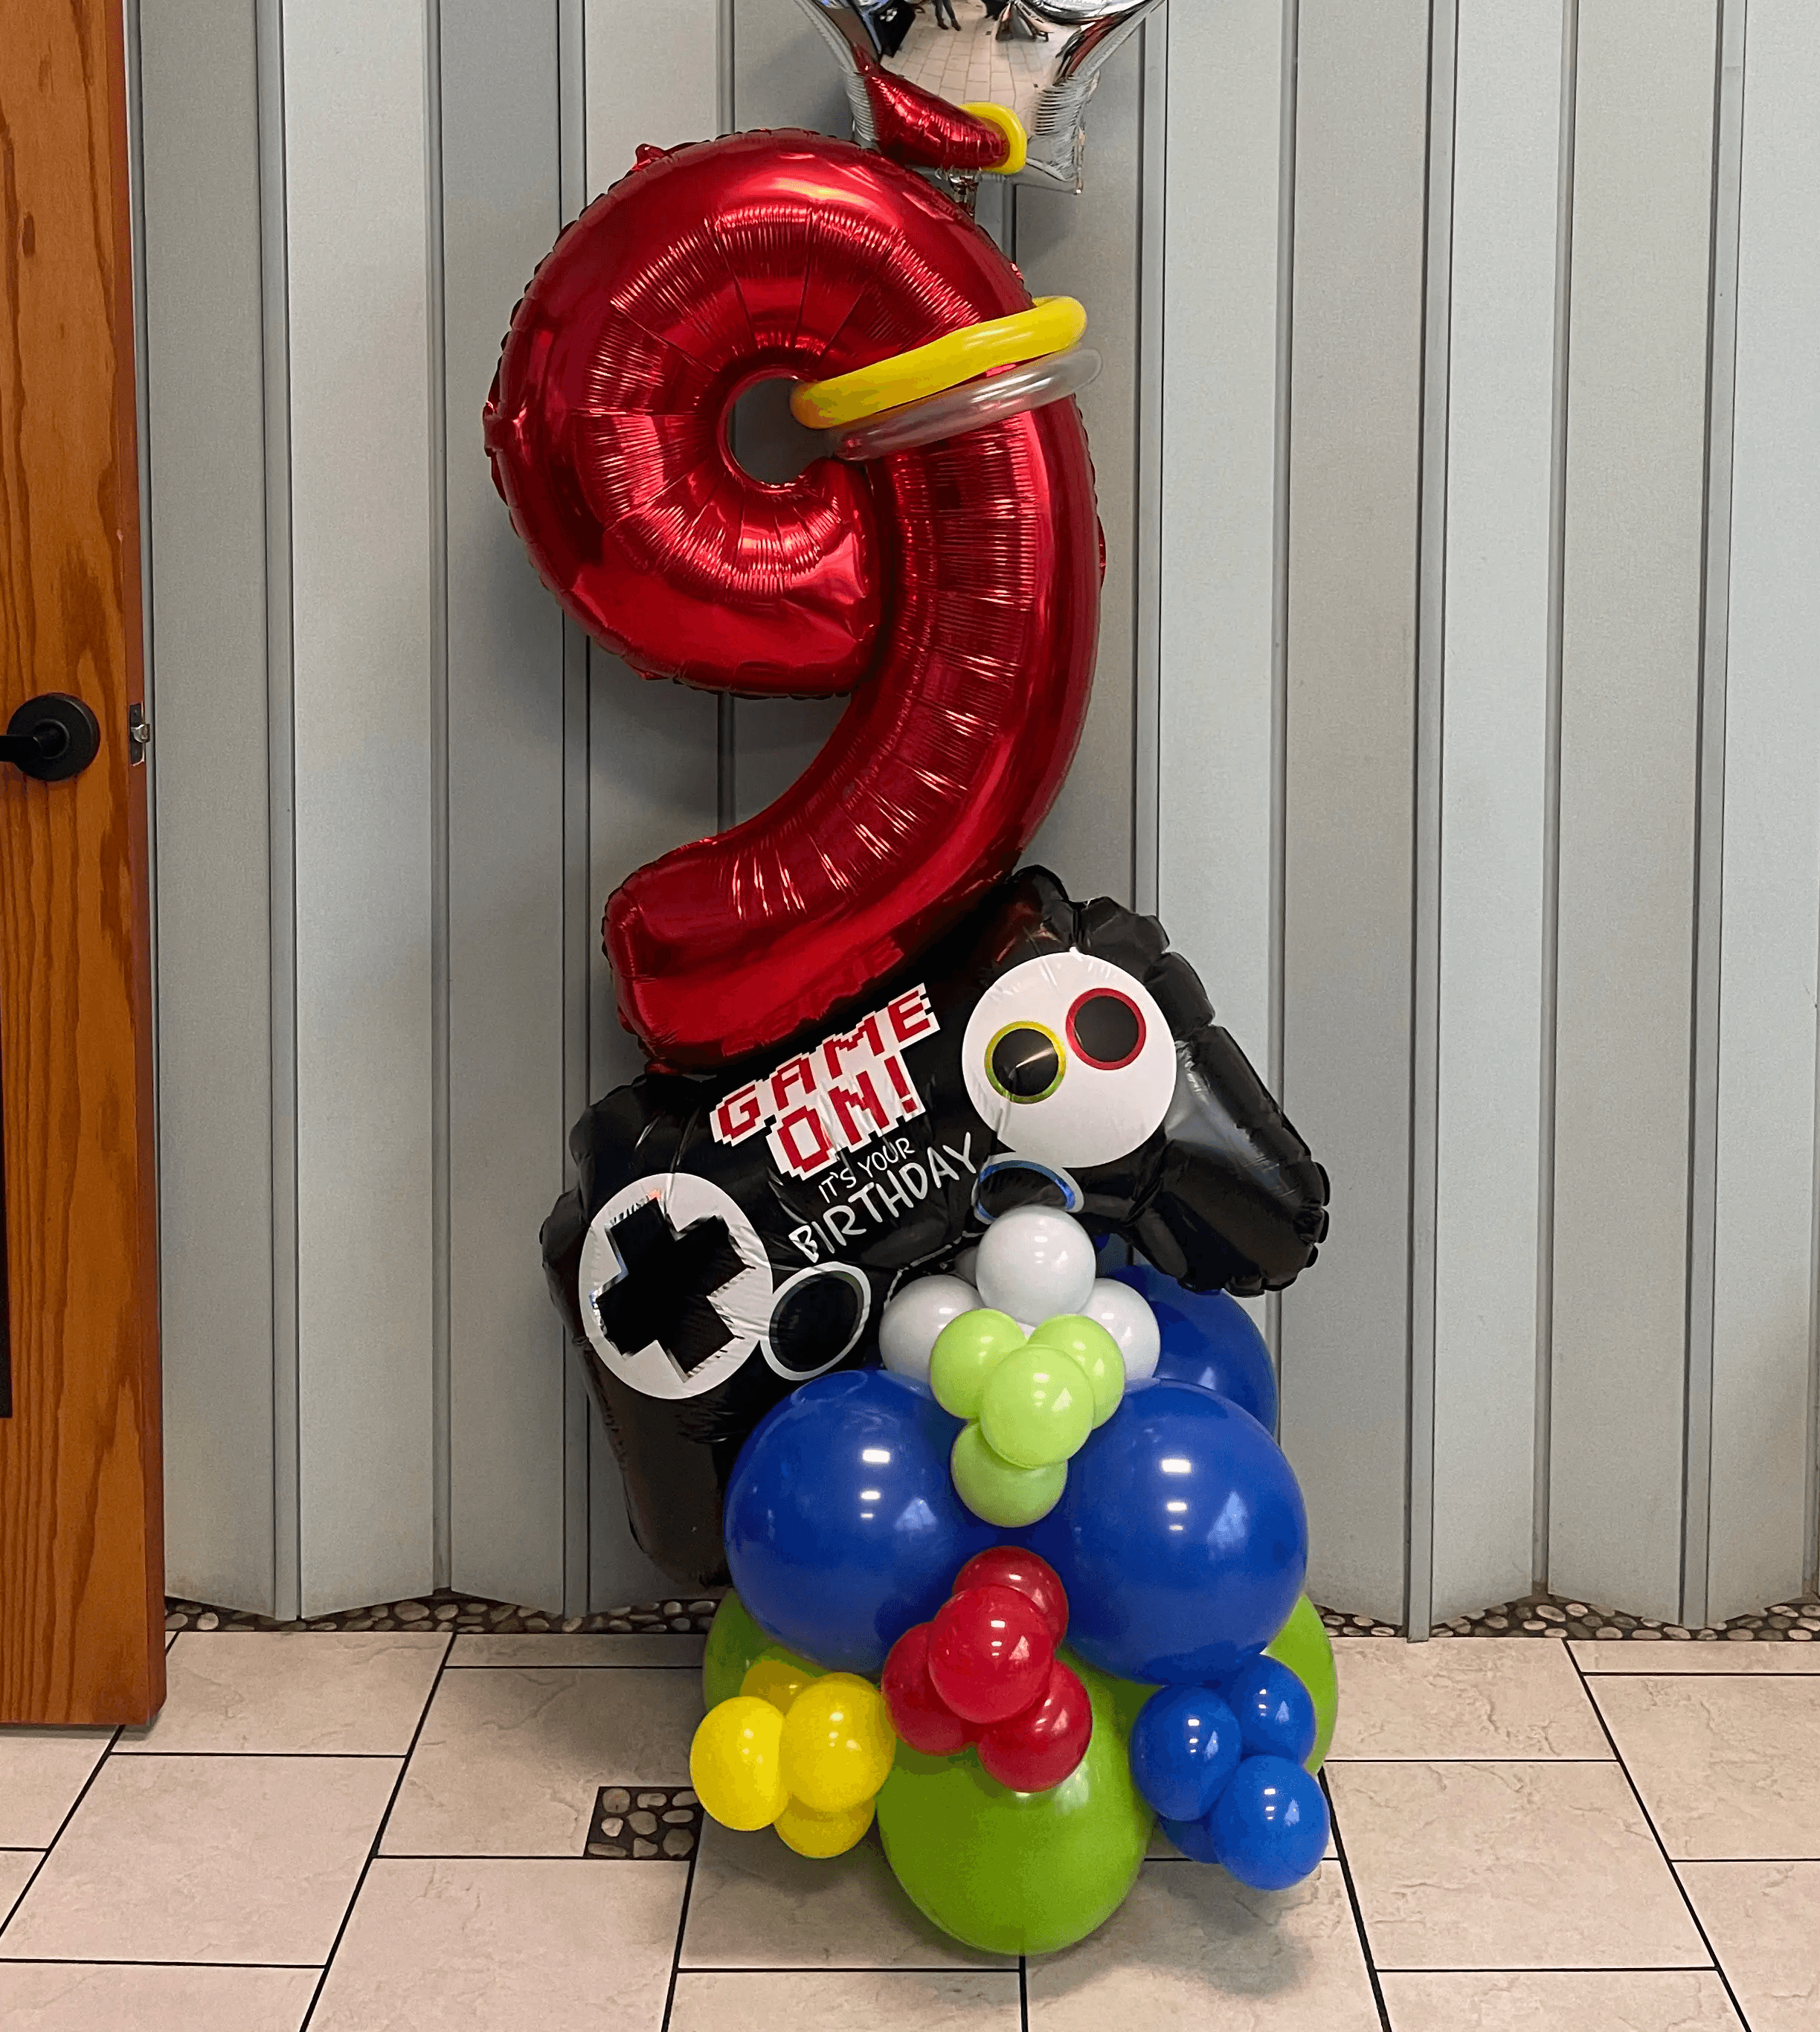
(670, 1277)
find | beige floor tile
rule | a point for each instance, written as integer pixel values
(310, 1693)
(1627, 2000)
(16, 1867)
(1773, 1659)
(846, 2000)
(1727, 1767)
(671, 1648)
(42, 1770)
(758, 1905)
(65, 1997)
(496, 1945)
(509, 1761)
(1478, 1697)
(1508, 1865)
(1763, 1920)
(1189, 1948)
(206, 1859)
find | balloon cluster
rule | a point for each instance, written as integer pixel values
(985, 1671)
(887, 1073)
(803, 1754)
(1225, 1768)
(1029, 1404)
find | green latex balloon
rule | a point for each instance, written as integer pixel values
(735, 1643)
(1093, 1351)
(1036, 1409)
(991, 1488)
(1018, 1873)
(1303, 1644)
(967, 1351)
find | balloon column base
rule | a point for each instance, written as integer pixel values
(1018, 1873)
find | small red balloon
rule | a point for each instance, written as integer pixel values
(1011, 1566)
(1042, 1746)
(918, 1712)
(989, 1653)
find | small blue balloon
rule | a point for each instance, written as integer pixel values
(1180, 1538)
(1185, 1744)
(1193, 1838)
(1209, 1339)
(1275, 1713)
(841, 1523)
(1269, 1829)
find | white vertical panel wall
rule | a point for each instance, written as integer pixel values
(1630, 714)
(356, 262)
(1496, 461)
(1762, 1409)
(1457, 707)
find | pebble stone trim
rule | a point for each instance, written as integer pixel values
(1555, 1615)
(1531, 1616)
(644, 1823)
(466, 1614)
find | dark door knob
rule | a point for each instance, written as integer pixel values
(51, 736)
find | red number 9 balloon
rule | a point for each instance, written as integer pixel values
(953, 589)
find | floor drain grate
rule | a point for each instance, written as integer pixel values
(644, 1823)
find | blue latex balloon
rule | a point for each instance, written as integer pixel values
(1180, 1537)
(841, 1523)
(1193, 1838)
(1209, 1339)
(1184, 1746)
(1275, 1713)
(1269, 1829)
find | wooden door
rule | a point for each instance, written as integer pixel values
(81, 1554)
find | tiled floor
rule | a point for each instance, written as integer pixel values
(971, 63)
(386, 1832)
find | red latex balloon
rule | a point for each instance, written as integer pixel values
(1041, 1746)
(953, 588)
(989, 1653)
(1011, 1566)
(919, 1713)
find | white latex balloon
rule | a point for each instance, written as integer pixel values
(915, 1315)
(1035, 1262)
(966, 1265)
(1127, 1317)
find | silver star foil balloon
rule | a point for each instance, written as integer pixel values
(1054, 113)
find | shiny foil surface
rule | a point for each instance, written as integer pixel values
(952, 588)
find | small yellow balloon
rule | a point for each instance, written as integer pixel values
(810, 1833)
(837, 1744)
(776, 1679)
(734, 1763)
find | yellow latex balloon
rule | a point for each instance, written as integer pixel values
(837, 1744)
(734, 1763)
(778, 1680)
(810, 1833)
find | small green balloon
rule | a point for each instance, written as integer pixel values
(991, 1488)
(1018, 1873)
(735, 1643)
(1094, 1352)
(1036, 1409)
(967, 1351)
(1303, 1644)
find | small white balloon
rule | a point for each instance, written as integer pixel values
(914, 1317)
(966, 1265)
(1125, 1315)
(1035, 1262)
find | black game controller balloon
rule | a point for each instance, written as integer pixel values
(730, 1237)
